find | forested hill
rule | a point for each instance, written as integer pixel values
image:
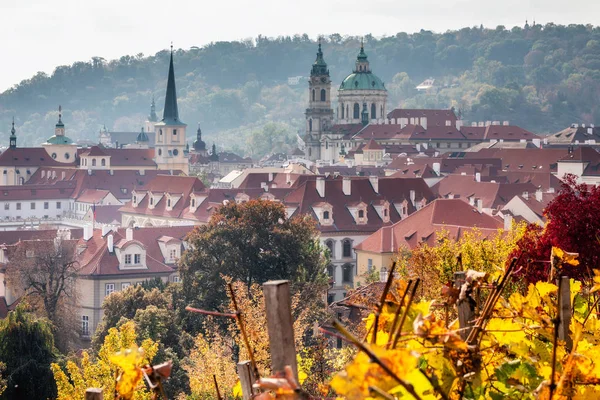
(541, 77)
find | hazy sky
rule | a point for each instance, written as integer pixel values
(38, 35)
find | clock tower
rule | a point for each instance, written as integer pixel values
(319, 114)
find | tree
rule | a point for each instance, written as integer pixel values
(27, 349)
(102, 370)
(252, 242)
(573, 225)
(46, 273)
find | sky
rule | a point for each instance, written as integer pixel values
(39, 35)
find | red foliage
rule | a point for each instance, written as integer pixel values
(573, 225)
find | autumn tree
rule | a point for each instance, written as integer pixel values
(252, 242)
(573, 225)
(46, 273)
(26, 349)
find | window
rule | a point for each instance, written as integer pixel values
(356, 111)
(127, 258)
(175, 152)
(347, 247)
(313, 95)
(151, 201)
(159, 152)
(174, 132)
(342, 110)
(173, 254)
(331, 272)
(94, 162)
(330, 245)
(369, 264)
(323, 95)
(18, 206)
(29, 253)
(373, 111)
(134, 199)
(109, 288)
(125, 285)
(347, 273)
(361, 213)
(326, 215)
(385, 212)
(193, 203)
(53, 155)
(175, 279)
(103, 162)
(137, 259)
(46, 205)
(169, 203)
(67, 155)
(7, 206)
(310, 125)
(85, 325)
(330, 298)
(32, 206)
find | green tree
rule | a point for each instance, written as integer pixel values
(27, 349)
(251, 242)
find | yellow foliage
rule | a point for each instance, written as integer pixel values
(102, 371)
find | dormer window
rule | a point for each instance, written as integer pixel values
(326, 215)
(361, 213)
(127, 259)
(151, 201)
(134, 200)
(169, 203)
(193, 204)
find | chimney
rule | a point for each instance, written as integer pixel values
(321, 186)
(590, 131)
(264, 186)
(506, 123)
(111, 172)
(437, 168)
(526, 195)
(110, 244)
(477, 176)
(89, 172)
(88, 231)
(374, 179)
(270, 176)
(412, 197)
(105, 230)
(508, 222)
(472, 201)
(142, 172)
(129, 234)
(346, 186)
(538, 195)
(479, 203)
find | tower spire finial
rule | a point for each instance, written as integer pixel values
(60, 114)
(12, 130)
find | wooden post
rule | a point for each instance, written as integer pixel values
(247, 378)
(93, 394)
(278, 306)
(465, 312)
(565, 311)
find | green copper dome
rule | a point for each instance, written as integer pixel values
(362, 81)
(59, 140)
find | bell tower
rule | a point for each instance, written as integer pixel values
(319, 114)
(169, 142)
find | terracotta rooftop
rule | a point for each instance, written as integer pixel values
(452, 215)
(30, 157)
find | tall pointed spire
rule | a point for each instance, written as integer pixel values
(171, 113)
(60, 123)
(199, 144)
(13, 136)
(152, 117)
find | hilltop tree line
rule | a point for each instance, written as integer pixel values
(540, 77)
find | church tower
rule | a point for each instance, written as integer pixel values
(319, 114)
(169, 141)
(199, 144)
(13, 136)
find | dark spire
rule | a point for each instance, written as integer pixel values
(60, 123)
(213, 155)
(13, 136)
(319, 67)
(142, 137)
(152, 117)
(199, 144)
(171, 113)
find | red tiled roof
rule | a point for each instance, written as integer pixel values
(373, 145)
(92, 195)
(123, 157)
(63, 190)
(492, 195)
(96, 260)
(108, 214)
(30, 157)
(452, 215)
(533, 159)
(386, 132)
(348, 130)
(434, 117)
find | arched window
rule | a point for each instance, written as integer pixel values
(310, 125)
(313, 95)
(134, 199)
(323, 95)
(373, 111)
(331, 271)
(356, 111)
(151, 201)
(347, 248)
(347, 274)
(342, 110)
(361, 213)
(193, 203)
(103, 162)
(94, 162)
(347, 111)
(325, 215)
(169, 203)
(330, 245)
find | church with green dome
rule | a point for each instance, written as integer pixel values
(361, 99)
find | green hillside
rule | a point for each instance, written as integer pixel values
(542, 78)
